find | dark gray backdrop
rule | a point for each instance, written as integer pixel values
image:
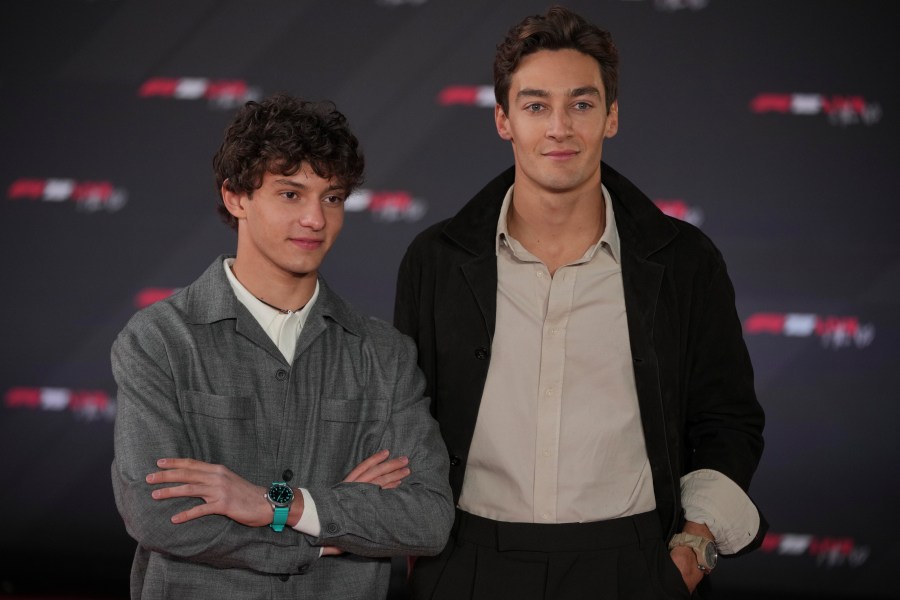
(770, 123)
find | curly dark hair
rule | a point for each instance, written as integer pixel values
(278, 135)
(559, 29)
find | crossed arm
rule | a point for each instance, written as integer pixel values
(225, 493)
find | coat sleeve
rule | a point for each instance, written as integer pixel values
(416, 517)
(724, 419)
(149, 425)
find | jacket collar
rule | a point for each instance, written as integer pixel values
(210, 299)
(642, 226)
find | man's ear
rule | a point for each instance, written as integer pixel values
(612, 120)
(234, 201)
(502, 122)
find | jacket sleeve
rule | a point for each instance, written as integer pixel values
(416, 517)
(149, 426)
(724, 419)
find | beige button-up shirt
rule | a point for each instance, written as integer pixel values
(559, 437)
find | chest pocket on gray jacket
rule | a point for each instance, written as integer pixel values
(222, 429)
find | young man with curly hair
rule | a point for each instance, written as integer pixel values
(583, 355)
(272, 442)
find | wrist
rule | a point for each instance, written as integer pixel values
(297, 507)
(704, 549)
(280, 497)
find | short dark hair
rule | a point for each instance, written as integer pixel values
(278, 135)
(559, 29)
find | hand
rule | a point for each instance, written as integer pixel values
(686, 559)
(222, 491)
(377, 469)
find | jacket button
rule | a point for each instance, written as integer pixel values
(284, 577)
(481, 353)
(454, 461)
(280, 374)
(287, 475)
(332, 528)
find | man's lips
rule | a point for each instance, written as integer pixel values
(560, 154)
(306, 243)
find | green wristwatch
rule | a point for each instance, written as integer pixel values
(280, 496)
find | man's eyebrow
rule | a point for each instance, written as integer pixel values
(587, 90)
(532, 93)
(290, 183)
(337, 187)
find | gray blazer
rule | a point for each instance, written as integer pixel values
(199, 378)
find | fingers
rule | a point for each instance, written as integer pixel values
(365, 465)
(392, 479)
(186, 470)
(331, 551)
(179, 491)
(201, 510)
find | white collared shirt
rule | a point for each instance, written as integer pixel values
(284, 330)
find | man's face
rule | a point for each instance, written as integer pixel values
(289, 223)
(557, 121)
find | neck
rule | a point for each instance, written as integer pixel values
(283, 292)
(557, 228)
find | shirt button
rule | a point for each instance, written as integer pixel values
(549, 392)
(287, 475)
(454, 461)
(481, 353)
(545, 516)
(281, 374)
(539, 273)
(546, 452)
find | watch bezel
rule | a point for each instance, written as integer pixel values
(274, 495)
(710, 555)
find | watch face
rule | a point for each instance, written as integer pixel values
(281, 494)
(711, 555)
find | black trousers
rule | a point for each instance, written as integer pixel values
(484, 559)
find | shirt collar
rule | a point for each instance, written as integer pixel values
(261, 311)
(609, 241)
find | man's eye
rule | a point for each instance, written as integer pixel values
(534, 108)
(582, 105)
(333, 199)
(289, 195)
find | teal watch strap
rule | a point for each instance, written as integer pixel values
(280, 496)
(280, 518)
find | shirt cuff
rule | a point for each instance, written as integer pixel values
(309, 520)
(711, 498)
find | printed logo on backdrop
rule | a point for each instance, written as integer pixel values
(839, 110)
(148, 296)
(834, 332)
(387, 206)
(222, 94)
(87, 405)
(681, 210)
(467, 95)
(828, 552)
(673, 5)
(87, 196)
